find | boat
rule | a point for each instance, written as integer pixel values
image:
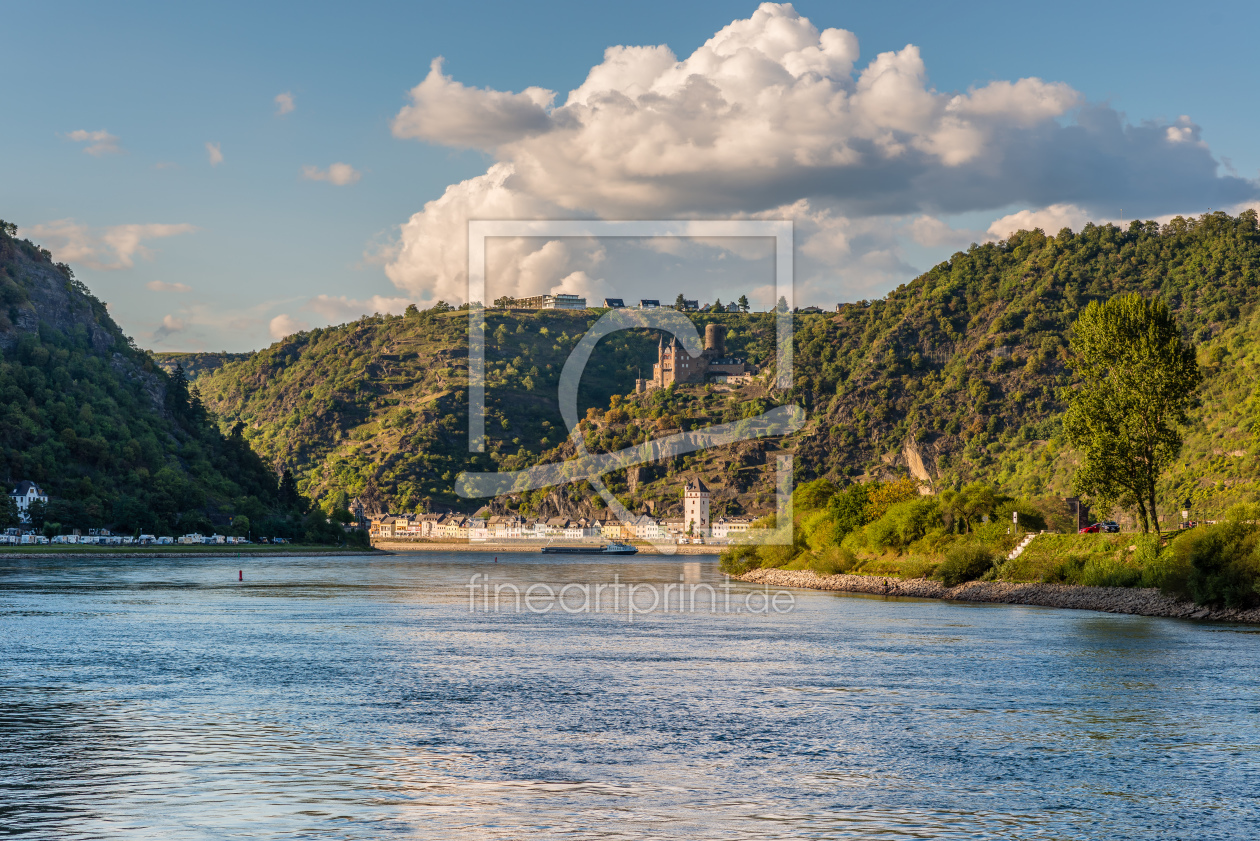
(613, 548)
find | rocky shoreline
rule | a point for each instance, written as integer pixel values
(1141, 602)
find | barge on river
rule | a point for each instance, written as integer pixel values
(613, 548)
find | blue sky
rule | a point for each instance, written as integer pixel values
(255, 242)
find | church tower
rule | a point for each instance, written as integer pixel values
(696, 508)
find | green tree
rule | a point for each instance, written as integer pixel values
(1137, 376)
(8, 512)
(412, 311)
(289, 496)
(743, 303)
(680, 303)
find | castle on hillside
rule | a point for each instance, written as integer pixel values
(675, 365)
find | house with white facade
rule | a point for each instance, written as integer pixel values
(24, 495)
(726, 527)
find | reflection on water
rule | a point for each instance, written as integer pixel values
(352, 698)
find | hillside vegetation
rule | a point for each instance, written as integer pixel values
(954, 377)
(113, 439)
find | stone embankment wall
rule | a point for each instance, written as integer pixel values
(1143, 602)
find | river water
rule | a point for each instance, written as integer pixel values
(371, 698)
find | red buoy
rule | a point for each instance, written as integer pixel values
(240, 575)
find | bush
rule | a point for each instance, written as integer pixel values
(833, 561)
(1109, 571)
(904, 523)
(738, 560)
(1168, 570)
(964, 562)
(1223, 563)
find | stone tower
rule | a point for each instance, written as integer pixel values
(696, 508)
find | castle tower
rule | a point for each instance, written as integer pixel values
(715, 340)
(696, 508)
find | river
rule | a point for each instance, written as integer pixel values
(370, 698)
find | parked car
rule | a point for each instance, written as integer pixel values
(1109, 526)
(1094, 529)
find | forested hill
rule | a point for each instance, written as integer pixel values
(954, 376)
(112, 438)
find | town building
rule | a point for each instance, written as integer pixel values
(724, 528)
(562, 301)
(614, 303)
(696, 508)
(24, 495)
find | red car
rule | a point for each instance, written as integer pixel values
(1089, 529)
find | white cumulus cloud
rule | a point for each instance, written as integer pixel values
(284, 103)
(444, 111)
(338, 173)
(214, 153)
(773, 115)
(1050, 219)
(99, 142)
(169, 326)
(285, 325)
(114, 247)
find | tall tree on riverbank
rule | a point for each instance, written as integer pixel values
(1138, 377)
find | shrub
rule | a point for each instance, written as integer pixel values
(1223, 563)
(1168, 570)
(833, 561)
(1109, 571)
(964, 562)
(813, 495)
(738, 560)
(904, 523)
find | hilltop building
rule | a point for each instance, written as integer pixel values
(675, 365)
(696, 508)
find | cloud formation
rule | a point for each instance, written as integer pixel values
(340, 309)
(444, 111)
(169, 326)
(105, 249)
(99, 142)
(284, 103)
(285, 325)
(163, 286)
(771, 115)
(214, 153)
(338, 173)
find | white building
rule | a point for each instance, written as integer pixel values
(696, 508)
(725, 528)
(647, 528)
(23, 495)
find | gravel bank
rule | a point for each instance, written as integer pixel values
(1143, 602)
